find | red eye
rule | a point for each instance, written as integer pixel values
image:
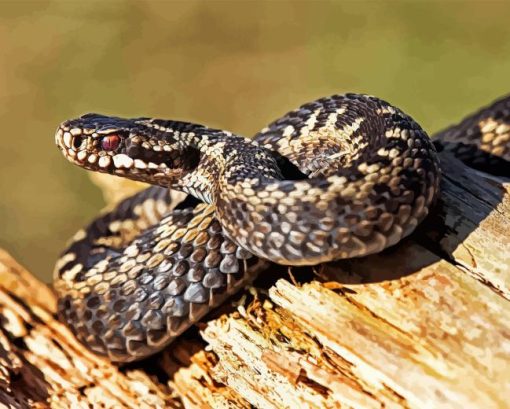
(110, 142)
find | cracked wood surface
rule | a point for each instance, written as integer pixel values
(424, 324)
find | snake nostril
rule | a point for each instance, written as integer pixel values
(77, 141)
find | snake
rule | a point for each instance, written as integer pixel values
(341, 177)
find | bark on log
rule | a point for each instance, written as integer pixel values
(424, 324)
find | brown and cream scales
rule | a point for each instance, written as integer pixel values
(340, 177)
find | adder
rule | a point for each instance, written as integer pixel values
(340, 177)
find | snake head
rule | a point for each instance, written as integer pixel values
(132, 148)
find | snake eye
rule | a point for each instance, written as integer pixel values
(110, 142)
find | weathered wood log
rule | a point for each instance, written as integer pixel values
(424, 324)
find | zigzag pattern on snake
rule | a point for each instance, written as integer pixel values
(340, 177)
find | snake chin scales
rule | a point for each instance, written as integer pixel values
(340, 177)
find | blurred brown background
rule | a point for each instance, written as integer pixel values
(234, 65)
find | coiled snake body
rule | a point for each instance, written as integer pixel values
(340, 177)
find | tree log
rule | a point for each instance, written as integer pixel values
(423, 324)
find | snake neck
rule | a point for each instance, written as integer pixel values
(223, 159)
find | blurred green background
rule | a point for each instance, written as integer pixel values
(233, 65)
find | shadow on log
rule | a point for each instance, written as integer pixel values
(423, 324)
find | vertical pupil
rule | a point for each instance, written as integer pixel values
(109, 143)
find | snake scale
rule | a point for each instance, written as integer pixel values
(340, 177)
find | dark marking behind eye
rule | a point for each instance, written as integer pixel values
(133, 150)
(187, 159)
